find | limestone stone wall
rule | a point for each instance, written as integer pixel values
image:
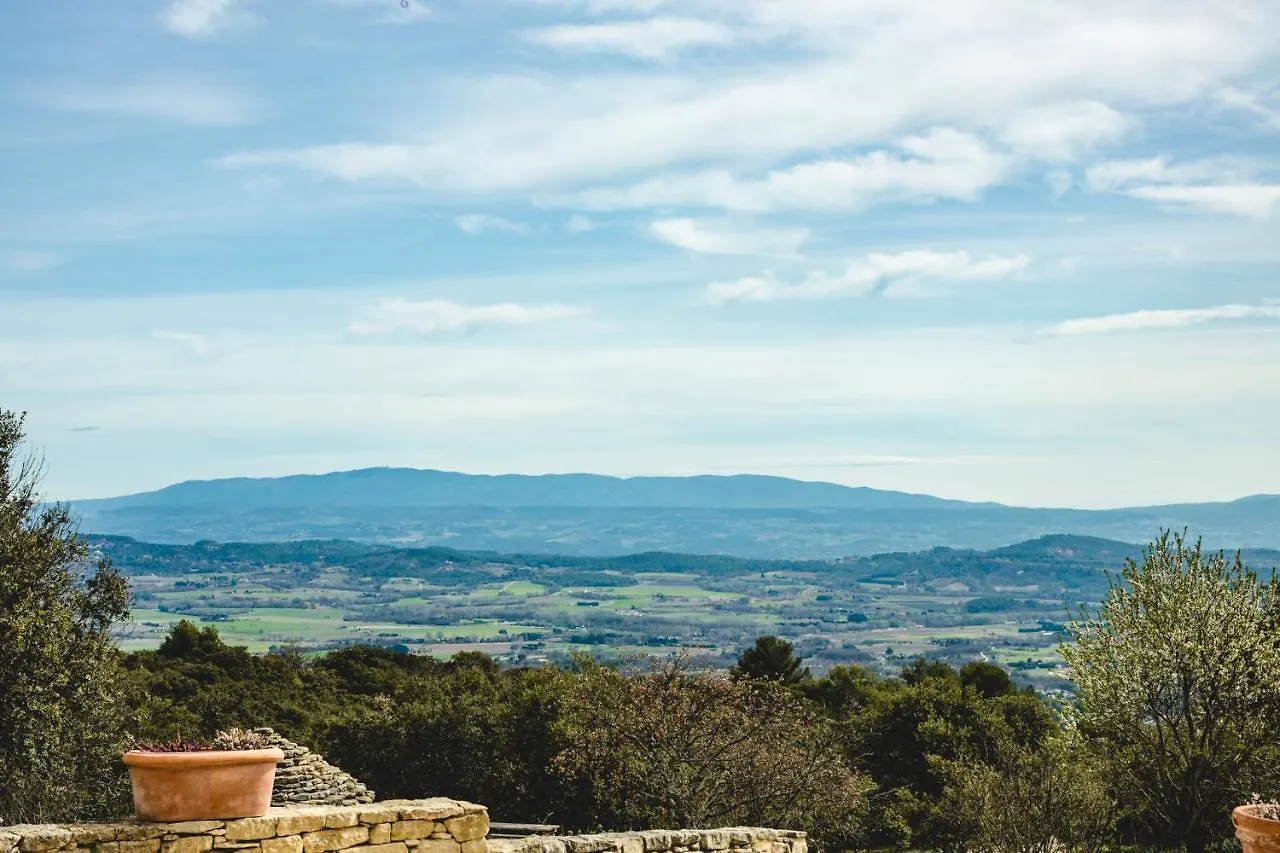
(393, 826)
(304, 778)
(732, 840)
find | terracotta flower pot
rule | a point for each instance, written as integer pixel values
(175, 786)
(1257, 834)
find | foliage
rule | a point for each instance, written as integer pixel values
(1178, 679)
(1051, 800)
(672, 748)
(771, 659)
(907, 735)
(61, 713)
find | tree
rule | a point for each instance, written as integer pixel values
(987, 678)
(1178, 682)
(771, 659)
(61, 688)
(1052, 800)
(668, 748)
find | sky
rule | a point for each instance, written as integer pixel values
(984, 249)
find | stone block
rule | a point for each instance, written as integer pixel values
(383, 814)
(251, 828)
(631, 844)
(8, 842)
(379, 833)
(141, 845)
(86, 834)
(715, 839)
(335, 839)
(196, 827)
(657, 839)
(475, 845)
(552, 845)
(282, 844)
(436, 808)
(393, 847)
(432, 845)
(468, 827)
(341, 818)
(188, 844)
(41, 838)
(799, 845)
(404, 829)
(297, 820)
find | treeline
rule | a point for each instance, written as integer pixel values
(860, 760)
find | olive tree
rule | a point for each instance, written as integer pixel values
(1178, 682)
(61, 708)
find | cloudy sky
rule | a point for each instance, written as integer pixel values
(987, 249)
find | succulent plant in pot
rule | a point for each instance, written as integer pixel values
(229, 777)
(1258, 827)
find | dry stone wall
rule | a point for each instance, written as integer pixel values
(305, 778)
(731, 840)
(436, 825)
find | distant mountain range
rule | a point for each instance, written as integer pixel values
(413, 487)
(588, 514)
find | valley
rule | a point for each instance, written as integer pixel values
(1007, 605)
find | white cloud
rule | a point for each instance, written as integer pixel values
(1253, 200)
(941, 164)
(188, 100)
(1250, 102)
(1062, 132)
(387, 316)
(475, 223)
(713, 238)
(906, 274)
(647, 38)
(1213, 186)
(23, 261)
(861, 75)
(1164, 318)
(198, 18)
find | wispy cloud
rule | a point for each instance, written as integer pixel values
(647, 38)
(1163, 318)
(475, 223)
(850, 77)
(188, 100)
(198, 18)
(387, 316)
(941, 164)
(1213, 186)
(1062, 132)
(715, 238)
(906, 274)
(28, 262)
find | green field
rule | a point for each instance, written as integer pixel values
(538, 616)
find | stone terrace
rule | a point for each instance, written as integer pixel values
(394, 826)
(436, 825)
(740, 839)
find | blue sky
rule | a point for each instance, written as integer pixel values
(985, 249)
